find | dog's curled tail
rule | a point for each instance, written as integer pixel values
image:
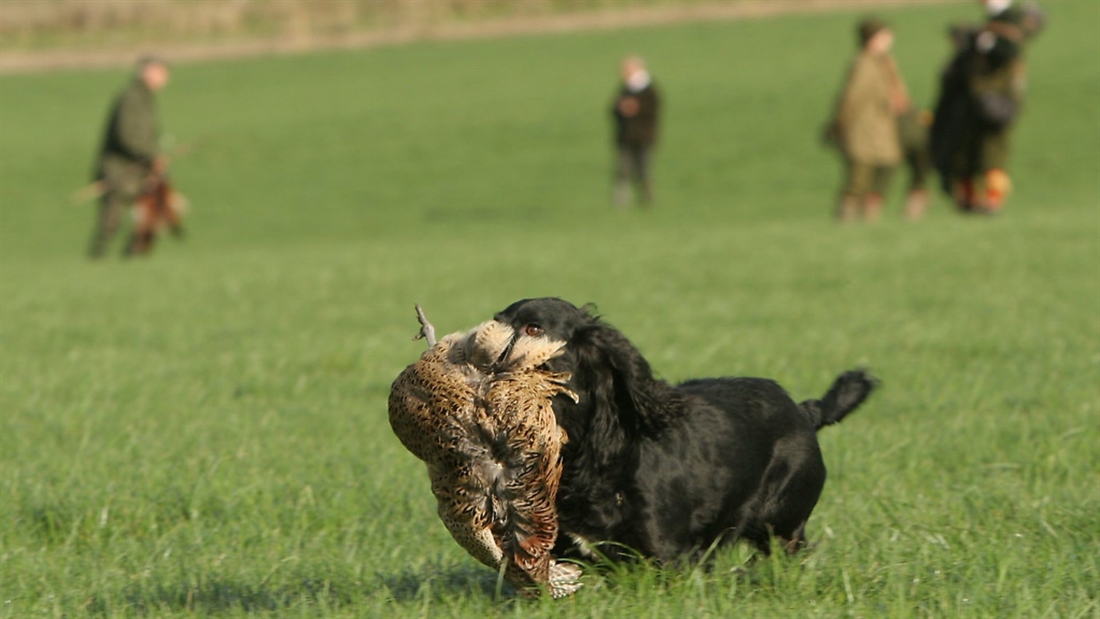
(849, 390)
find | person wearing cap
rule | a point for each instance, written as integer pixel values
(981, 94)
(865, 123)
(635, 113)
(130, 151)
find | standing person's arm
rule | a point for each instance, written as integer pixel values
(899, 94)
(137, 128)
(626, 106)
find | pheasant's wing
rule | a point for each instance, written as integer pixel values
(431, 409)
(462, 506)
(421, 398)
(531, 457)
(528, 535)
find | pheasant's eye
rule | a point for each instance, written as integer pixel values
(533, 330)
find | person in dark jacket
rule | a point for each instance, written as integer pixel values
(130, 154)
(635, 112)
(981, 94)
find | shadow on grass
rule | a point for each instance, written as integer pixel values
(431, 583)
(435, 584)
(214, 596)
(219, 595)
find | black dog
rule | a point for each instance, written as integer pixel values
(670, 471)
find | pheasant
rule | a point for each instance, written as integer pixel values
(477, 409)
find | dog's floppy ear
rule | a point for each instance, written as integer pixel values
(644, 403)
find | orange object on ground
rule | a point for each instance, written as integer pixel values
(997, 187)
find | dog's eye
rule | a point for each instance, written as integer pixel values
(533, 330)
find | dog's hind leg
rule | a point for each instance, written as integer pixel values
(789, 492)
(753, 530)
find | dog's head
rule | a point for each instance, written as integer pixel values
(618, 394)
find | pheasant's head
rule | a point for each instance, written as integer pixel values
(495, 346)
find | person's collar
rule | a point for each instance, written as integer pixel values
(996, 7)
(638, 81)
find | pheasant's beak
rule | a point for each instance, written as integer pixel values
(525, 352)
(507, 352)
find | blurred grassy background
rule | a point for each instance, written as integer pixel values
(203, 433)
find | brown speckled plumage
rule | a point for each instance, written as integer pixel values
(476, 408)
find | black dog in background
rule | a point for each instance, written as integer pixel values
(670, 471)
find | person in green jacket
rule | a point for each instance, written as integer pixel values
(130, 153)
(865, 123)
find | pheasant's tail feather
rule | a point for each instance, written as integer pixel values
(530, 528)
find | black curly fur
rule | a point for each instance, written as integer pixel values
(669, 471)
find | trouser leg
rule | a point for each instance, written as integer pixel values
(857, 182)
(920, 165)
(641, 159)
(111, 207)
(873, 199)
(964, 194)
(621, 190)
(864, 189)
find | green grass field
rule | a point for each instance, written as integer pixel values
(204, 432)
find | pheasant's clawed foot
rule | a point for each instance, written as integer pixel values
(564, 579)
